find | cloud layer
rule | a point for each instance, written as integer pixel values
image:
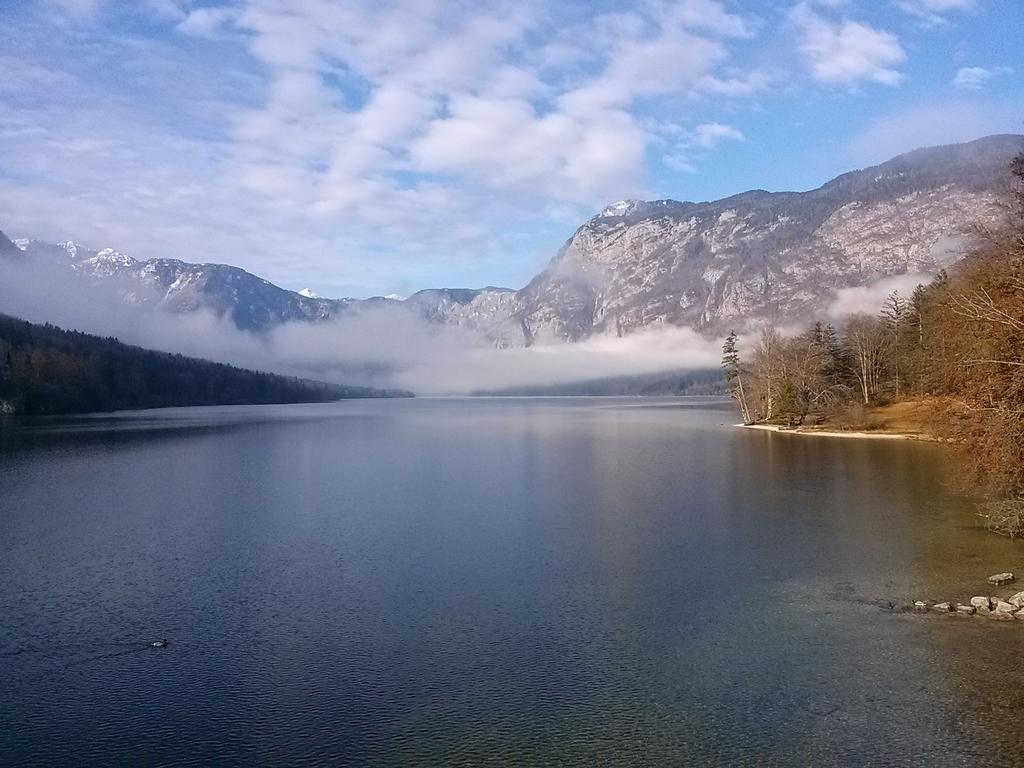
(382, 347)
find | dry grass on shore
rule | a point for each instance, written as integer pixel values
(908, 419)
(904, 417)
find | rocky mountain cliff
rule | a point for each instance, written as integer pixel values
(775, 255)
(760, 254)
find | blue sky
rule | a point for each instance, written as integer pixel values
(365, 147)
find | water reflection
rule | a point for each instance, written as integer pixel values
(529, 581)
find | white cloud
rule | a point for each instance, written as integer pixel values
(506, 144)
(708, 15)
(463, 94)
(702, 138)
(709, 135)
(847, 52)
(976, 78)
(935, 11)
(869, 298)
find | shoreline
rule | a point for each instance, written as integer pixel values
(861, 435)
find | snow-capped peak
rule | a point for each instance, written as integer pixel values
(110, 256)
(396, 297)
(621, 208)
(21, 243)
(638, 207)
(309, 293)
(70, 246)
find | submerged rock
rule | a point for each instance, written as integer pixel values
(999, 616)
(920, 605)
(943, 607)
(967, 609)
(1000, 578)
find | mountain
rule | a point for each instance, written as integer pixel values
(640, 264)
(7, 247)
(775, 255)
(490, 311)
(254, 304)
(44, 369)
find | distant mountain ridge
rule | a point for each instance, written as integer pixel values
(641, 264)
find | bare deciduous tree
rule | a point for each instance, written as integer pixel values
(868, 343)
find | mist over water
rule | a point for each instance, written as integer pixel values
(387, 346)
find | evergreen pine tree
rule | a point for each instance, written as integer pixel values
(734, 374)
(894, 315)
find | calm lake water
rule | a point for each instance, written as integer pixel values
(494, 581)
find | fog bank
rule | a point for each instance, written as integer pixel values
(385, 346)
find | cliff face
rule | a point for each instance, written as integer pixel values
(779, 256)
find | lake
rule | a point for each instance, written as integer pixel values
(486, 582)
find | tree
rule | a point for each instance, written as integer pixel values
(1017, 194)
(787, 402)
(812, 364)
(894, 316)
(768, 369)
(734, 375)
(867, 341)
(44, 369)
(980, 320)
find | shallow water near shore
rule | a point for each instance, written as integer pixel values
(579, 581)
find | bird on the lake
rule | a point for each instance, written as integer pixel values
(158, 644)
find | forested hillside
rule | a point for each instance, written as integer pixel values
(44, 369)
(956, 344)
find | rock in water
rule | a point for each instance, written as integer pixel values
(981, 603)
(1000, 578)
(1001, 606)
(966, 609)
(943, 607)
(1017, 600)
(920, 605)
(999, 616)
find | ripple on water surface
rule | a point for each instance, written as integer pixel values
(489, 582)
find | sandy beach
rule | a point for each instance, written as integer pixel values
(835, 433)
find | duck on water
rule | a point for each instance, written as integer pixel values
(158, 644)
